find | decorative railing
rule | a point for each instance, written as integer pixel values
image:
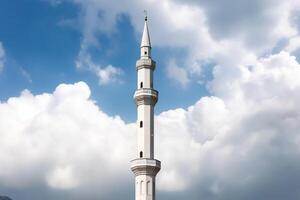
(145, 162)
(146, 91)
(148, 63)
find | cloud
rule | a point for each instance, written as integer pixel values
(242, 142)
(293, 44)
(62, 178)
(59, 139)
(100, 17)
(90, 25)
(247, 20)
(239, 144)
(177, 73)
(106, 74)
(203, 29)
(2, 57)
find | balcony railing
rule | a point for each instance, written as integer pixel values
(146, 91)
(145, 63)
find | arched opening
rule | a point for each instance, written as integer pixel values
(141, 124)
(141, 154)
(141, 85)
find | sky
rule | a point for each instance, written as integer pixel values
(226, 124)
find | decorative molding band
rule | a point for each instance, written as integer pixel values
(145, 96)
(145, 166)
(145, 63)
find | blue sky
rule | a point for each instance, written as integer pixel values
(226, 124)
(41, 53)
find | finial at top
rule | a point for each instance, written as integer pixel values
(145, 13)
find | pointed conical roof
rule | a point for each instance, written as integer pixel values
(146, 38)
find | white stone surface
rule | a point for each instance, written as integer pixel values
(146, 37)
(146, 44)
(145, 167)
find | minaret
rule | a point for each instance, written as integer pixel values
(145, 167)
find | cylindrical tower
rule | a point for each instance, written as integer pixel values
(145, 167)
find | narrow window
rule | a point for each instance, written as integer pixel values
(141, 154)
(145, 52)
(141, 124)
(141, 84)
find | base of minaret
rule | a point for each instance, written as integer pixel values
(145, 171)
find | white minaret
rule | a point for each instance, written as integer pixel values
(145, 167)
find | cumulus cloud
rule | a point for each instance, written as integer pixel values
(228, 146)
(2, 57)
(55, 145)
(177, 73)
(240, 143)
(106, 74)
(101, 17)
(258, 24)
(204, 29)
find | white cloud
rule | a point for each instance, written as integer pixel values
(59, 138)
(222, 147)
(177, 73)
(241, 143)
(101, 17)
(62, 178)
(106, 74)
(293, 44)
(2, 57)
(204, 29)
(90, 25)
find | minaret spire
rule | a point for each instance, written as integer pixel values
(145, 43)
(145, 166)
(146, 38)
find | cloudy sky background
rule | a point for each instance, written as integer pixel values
(228, 117)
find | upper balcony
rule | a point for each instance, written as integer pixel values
(145, 63)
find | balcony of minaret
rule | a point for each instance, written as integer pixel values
(145, 63)
(145, 96)
(145, 166)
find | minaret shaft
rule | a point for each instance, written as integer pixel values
(146, 133)
(145, 78)
(145, 167)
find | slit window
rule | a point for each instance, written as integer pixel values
(141, 124)
(141, 154)
(141, 84)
